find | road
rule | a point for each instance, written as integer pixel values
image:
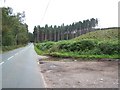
(20, 69)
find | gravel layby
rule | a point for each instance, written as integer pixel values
(80, 74)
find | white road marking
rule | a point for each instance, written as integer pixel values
(10, 57)
(1, 63)
(16, 54)
(45, 84)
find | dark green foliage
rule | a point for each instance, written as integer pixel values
(31, 38)
(8, 39)
(14, 30)
(95, 51)
(65, 46)
(97, 47)
(45, 46)
(78, 46)
(108, 48)
(7, 48)
(83, 45)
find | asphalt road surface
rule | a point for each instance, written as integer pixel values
(20, 69)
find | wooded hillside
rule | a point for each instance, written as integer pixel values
(64, 32)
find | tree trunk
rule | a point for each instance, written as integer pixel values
(55, 35)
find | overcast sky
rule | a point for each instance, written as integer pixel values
(66, 11)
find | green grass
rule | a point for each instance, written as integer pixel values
(109, 35)
(76, 55)
(101, 36)
(8, 48)
(39, 52)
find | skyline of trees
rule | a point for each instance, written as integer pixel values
(63, 32)
(15, 31)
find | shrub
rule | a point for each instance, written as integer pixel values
(95, 51)
(54, 48)
(78, 46)
(45, 46)
(38, 46)
(108, 48)
(88, 44)
(83, 45)
(75, 46)
(65, 46)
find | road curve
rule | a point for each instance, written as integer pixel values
(20, 69)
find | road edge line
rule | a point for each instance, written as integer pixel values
(43, 80)
(10, 57)
(1, 63)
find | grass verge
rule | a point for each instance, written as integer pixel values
(99, 44)
(39, 52)
(8, 48)
(76, 55)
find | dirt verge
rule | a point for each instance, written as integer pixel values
(68, 73)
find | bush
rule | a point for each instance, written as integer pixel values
(88, 44)
(38, 46)
(83, 45)
(54, 48)
(108, 48)
(45, 46)
(78, 46)
(65, 46)
(94, 51)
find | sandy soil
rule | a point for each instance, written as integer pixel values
(80, 74)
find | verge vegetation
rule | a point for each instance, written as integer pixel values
(8, 48)
(97, 44)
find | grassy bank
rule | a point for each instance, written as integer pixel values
(98, 44)
(8, 48)
(38, 51)
(77, 55)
